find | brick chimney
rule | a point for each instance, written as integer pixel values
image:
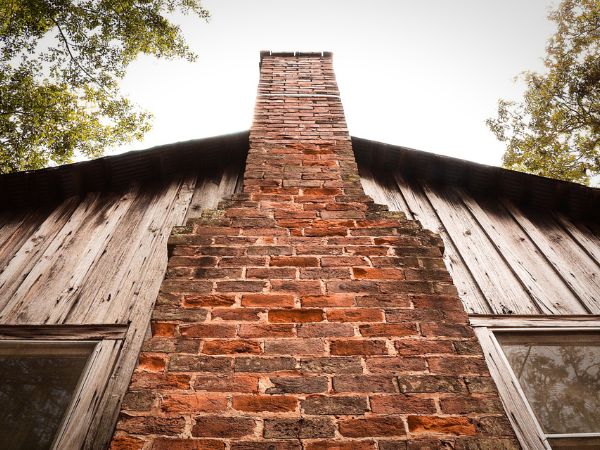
(301, 315)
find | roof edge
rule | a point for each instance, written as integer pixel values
(523, 188)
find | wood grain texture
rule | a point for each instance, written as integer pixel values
(91, 268)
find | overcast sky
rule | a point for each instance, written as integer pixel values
(423, 74)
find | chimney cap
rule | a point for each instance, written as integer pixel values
(264, 53)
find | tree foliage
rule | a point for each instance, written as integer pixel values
(60, 66)
(555, 130)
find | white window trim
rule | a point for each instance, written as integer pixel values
(527, 428)
(79, 414)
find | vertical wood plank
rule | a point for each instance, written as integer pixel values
(498, 283)
(544, 285)
(574, 265)
(22, 264)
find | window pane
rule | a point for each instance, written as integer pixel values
(37, 381)
(560, 376)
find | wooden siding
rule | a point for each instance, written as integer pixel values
(99, 259)
(504, 259)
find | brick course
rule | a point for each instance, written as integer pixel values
(301, 314)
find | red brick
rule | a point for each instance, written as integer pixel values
(358, 347)
(363, 383)
(409, 347)
(401, 404)
(327, 300)
(265, 330)
(192, 402)
(294, 261)
(268, 300)
(144, 380)
(325, 330)
(187, 444)
(355, 315)
(207, 331)
(366, 273)
(226, 383)
(240, 286)
(304, 287)
(152, 363)
(268, 273)
(168, 426)
(372, 427)
(394, 364)
(126, 443)
(388, 330)
(237, 314)
(460, 426)
(223, 347)
(343, 261)
(163, 329)
(295, 347)
(470, 404)
(223, 427)
(191, 301)
(295, 315)
(341, 445)
(268, 403)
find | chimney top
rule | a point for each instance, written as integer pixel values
(264, 53)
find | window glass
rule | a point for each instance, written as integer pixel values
(560, 377)
(37, 381)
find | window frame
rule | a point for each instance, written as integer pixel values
(519, 411)
(94, 378)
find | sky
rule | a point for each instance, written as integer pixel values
(423, 74)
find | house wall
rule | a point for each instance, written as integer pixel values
(503, 258)
(302, 315)
(97, 259)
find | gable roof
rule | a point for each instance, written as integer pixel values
(525, 189)
(112, 173)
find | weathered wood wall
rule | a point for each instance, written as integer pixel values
(99, 259)
(504, 259)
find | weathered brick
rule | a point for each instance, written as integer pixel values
(401, 404)
(372, 427)
(192, 402)
(335, 405)
(223, 427)
(224, 347)
(266, 330)
(331, 365)
(297, 385)
(225, 383)
(460, 426)
(355, 315)
(349, 347)
(341, 445)
(268, 403)
(295, 346)
(192, 363)
(268, 300)
(207, 331)
(300, 428)
(263, 364)
(430, 384)
(168, 426)
(363, 383)
(295, 315)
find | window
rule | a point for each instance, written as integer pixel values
(548, 374)
(52, 378)
(37, 382)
